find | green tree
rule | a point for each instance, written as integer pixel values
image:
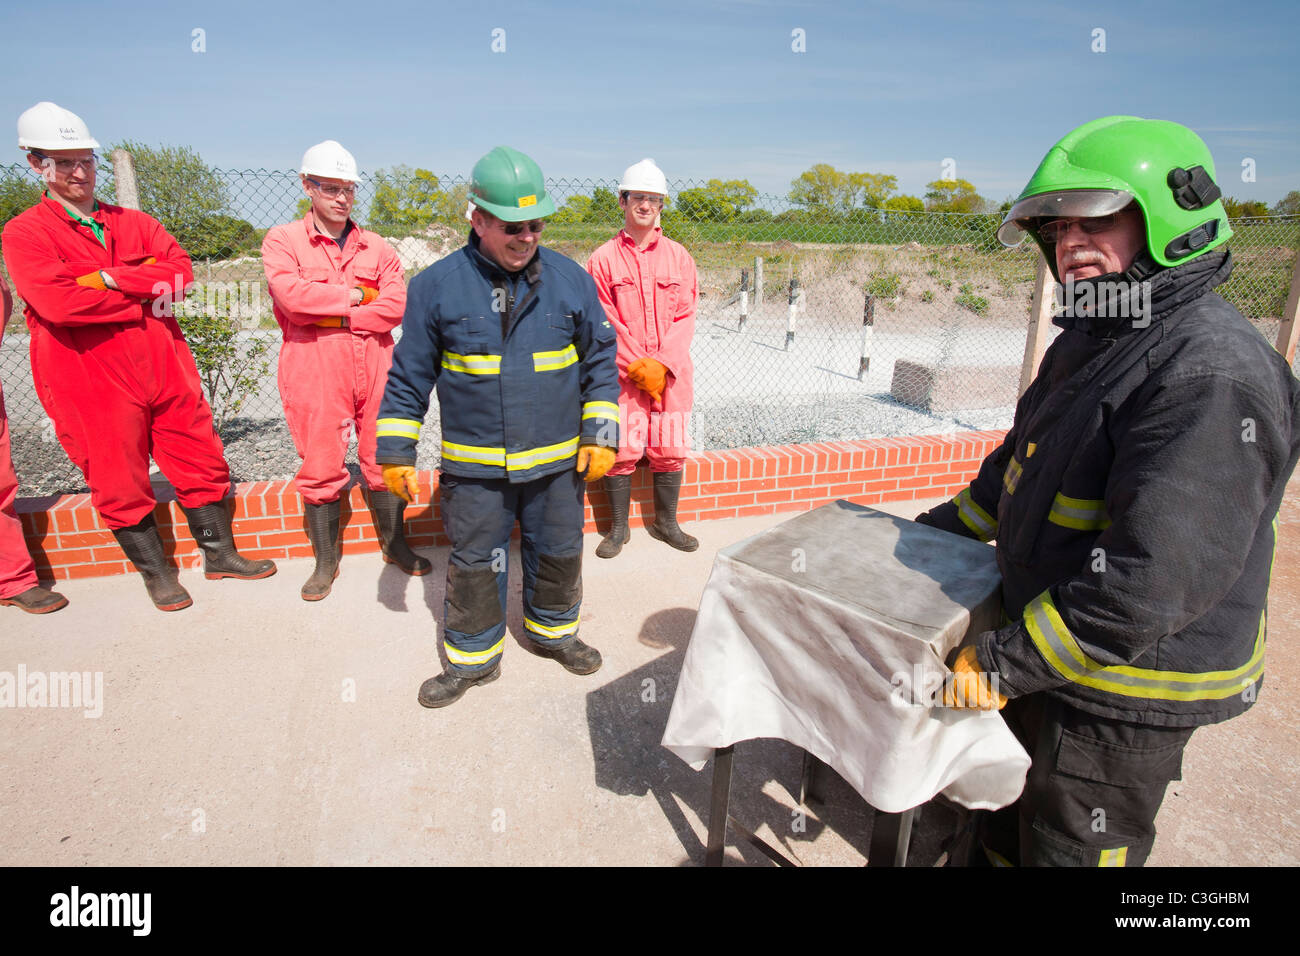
(717, 200)
(824, 185)
(183, 193)
(1288, 205)
(17, 192)
(904, 204)
(406, 201)
(575, 209)
(604, 206)
(1244, 208)
(874, 189)
(952, 195)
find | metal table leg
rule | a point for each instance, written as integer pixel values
(891, 833)
(719, 804)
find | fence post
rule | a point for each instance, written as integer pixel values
(1040, 317)
(124, 186)
(868, 321)
(758, 282)
(744, 297)
(794, 307)
(1286, 334)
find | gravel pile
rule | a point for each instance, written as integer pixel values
(262, 450)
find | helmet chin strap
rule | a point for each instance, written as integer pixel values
(1143, 268)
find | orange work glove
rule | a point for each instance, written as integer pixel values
(970, 686)
(595, 460)
(93, 280)
(400, 480)
(333, 322)
(368, 294)
(650, 376)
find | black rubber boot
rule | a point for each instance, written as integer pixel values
(447, 688)
(37, 600)
(668, 485)
(390, 515)
(323, 530)
(619, 489)
(575, 656)
(144, 549)
(210, 525)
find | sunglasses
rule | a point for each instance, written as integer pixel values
(1054, 231)
(515, 228)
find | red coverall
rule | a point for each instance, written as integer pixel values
(331, 378)
(118, 381)
(649, 297)
(17, 572)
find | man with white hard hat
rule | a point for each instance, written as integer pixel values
(109, 362)
(648, 287)
(337, 292)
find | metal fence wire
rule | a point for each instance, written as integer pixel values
(813, 323)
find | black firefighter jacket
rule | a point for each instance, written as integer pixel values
(1134, 503)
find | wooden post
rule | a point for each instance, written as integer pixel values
(868, 321)
(758, 283)
(744, 297)
(1040, 318)
(124, 179)
(1286, 334)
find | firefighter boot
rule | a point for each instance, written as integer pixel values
(447, 688)
(323, 530)
(668, 485)
(144, 549)
(210, 525)
(37, 600)
(575, 656)
(390, 513)
(619, 489)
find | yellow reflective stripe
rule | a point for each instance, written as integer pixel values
(599, 410)
(1081, 514)
(1116, 857)
(472, 364)
(473, 453)
(562, 630)
(1062, 651)
(471, 658)
(516, 460)
(1011, 477)
(975, 517)
(551, 361)
(523, 460)
(398, 428)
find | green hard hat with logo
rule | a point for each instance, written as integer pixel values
(509, 185)
(1108, 163)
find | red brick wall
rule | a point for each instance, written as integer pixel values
(67, 539)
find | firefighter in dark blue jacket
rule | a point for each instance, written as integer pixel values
(1134, 499)
(516, 341)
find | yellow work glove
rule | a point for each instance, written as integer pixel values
(595, 460)
(970, 686)
(368, 294)
(400, 480)
(650, 376)
(93, 280)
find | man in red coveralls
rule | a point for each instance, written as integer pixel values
(109, 362)
(338, 292)
(647, 285)
(17, 572)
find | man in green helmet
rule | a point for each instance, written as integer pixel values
(1133, 500)
(516, 342)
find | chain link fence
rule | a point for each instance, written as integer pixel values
(813, 324)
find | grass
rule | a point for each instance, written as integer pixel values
(967, 299)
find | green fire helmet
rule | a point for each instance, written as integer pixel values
(1104, 165)
(509, 185)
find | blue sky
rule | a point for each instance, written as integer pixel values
(709, 89)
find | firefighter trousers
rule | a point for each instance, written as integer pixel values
(1093, 789)
(478, 515)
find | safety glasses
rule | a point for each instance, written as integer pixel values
(535, 226)
(329, 190)
(66, 166)
(1054, 231)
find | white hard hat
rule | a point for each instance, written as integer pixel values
(49, 126)
(644, 177)
(331, 160)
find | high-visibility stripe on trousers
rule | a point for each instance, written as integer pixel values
(478, 515)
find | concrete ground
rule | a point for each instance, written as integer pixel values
(254, 728)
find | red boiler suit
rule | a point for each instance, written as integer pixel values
(118, 380)
(17, 572)
(649, 297)
(332, 379)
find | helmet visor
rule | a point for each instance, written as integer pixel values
(1063, 204)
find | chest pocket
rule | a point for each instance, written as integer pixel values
(315, 275)
(667, 296)
(561, 321)
(368, 277)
